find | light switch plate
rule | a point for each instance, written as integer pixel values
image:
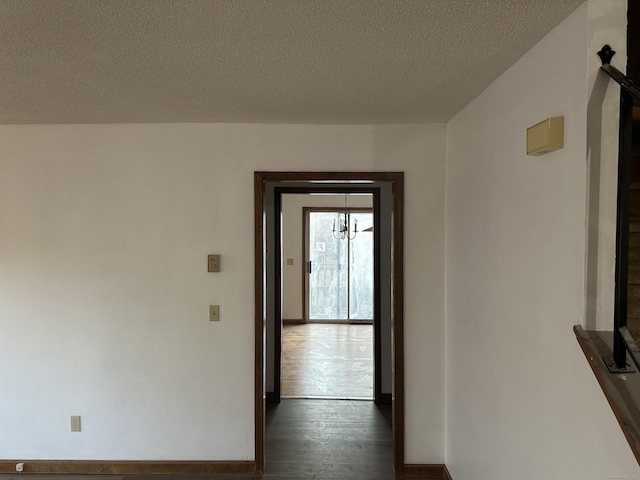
(213, 264)
(214, 313)
(289, 261)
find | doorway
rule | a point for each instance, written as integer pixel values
(327, 287)
(387, 189)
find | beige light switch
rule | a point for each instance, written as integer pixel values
(213, 263)
(75, 423)
(214, 313)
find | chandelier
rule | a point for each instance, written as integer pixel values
(344, 227)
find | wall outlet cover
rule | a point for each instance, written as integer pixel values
(75, 423)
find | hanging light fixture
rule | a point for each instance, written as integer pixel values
(344, 230)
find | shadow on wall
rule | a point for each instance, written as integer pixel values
(594, 173)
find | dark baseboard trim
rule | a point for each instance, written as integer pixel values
(115, 467)
(422, 470)
(293, 321)
(271, 397)
(385, 399)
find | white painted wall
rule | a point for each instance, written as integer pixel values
(104, 292)
(521, 399)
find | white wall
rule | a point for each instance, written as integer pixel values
(104, 292)
(521, 399)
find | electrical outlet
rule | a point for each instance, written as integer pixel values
(214, 313)
(20, 467)
(75, 423)
(289, 261)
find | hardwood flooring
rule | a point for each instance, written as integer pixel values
(322, 360)
(328, 439)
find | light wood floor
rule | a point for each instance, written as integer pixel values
(327, 361)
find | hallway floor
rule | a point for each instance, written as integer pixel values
(327, 360)
(328, 439)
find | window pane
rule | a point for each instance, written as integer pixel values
(328, 279)
(361, 264)
(331, 281)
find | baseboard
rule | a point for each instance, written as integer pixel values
(99, 467)
(177, 467)
(293, 321)
(385, 399)
(436, 471)
(447, 475)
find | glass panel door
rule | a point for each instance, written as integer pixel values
(340, 271)
(361, 269)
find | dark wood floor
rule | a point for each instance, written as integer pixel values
(328, 439)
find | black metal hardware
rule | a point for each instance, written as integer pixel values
(309, 266)
(632, 346)
(613, 367)
(622, 226)
(628, 92)
(606, 54)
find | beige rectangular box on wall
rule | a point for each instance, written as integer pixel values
(546, 136)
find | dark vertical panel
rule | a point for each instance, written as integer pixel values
(622, 227)
(397, 329)
(377, 306)
(633, 41)
(305, 258)
(259, 403)
(277, 246)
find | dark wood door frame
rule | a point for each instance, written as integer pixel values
(328, 182)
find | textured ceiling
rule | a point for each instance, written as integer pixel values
(292, 61)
